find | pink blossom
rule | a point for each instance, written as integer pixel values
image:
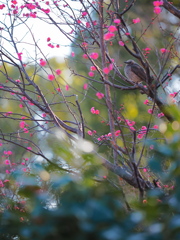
(91, 74)
(15, 11)
(21, 105)
(151, 147)
(117, 21)
(25, 130)
(106, 70)
(58, 89)
(108, 36)
(50, 45)
(111, 66)
(90, 133)
(136, 20)
(42, 62)
(146, 102)
(30, 103)
(51, 77)
(8, 113)
(30, 6)
(145, 170)
(112, 28)
(22, 124)
(6, 180)
(140, 136)
(73, 54)
(160, 115)
(19, 56)
(129, 122)
(84, 14)
(48, 39)
(8, 152)
(157, 3)
(67, 87)
(94, 55)
(46, 10)
(121, 43)
(58, 71)
(99, 95)
(85, 86)
(85, 56)
(88, 25)
(33, 15)
(79, 21)
(109, 135)
(93, 68)
(144, 128)
(147, 49)
(117, 133)
(157, 10)
(150, 111)
(84, 44)
(155, 126)
(7, 162)
(2, 6)
(163, 50)
(44, 115)
(172, 95)
(93, 111)
(29, 148)
(24, 98)
(18, 80)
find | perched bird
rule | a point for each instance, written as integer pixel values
(134, 72)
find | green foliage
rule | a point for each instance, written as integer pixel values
(74, 209)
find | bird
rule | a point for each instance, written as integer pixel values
(134, 72)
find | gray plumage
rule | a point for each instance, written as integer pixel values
(134, 72)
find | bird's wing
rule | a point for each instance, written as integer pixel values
(139, 71)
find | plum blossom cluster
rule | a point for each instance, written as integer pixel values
(15, 9)
(91, 133)
(23, 126)
(130, 124)
(100, 95)
(157, 4)
(12, 166)
(109, 136)
(136, 20)
(172, 97)
(143, 132)
(164, 50)
(94, 111)
(111, 32)
(146, 51)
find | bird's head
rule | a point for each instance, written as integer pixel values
(129, 62)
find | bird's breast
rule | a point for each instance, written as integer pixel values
(131, 75)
